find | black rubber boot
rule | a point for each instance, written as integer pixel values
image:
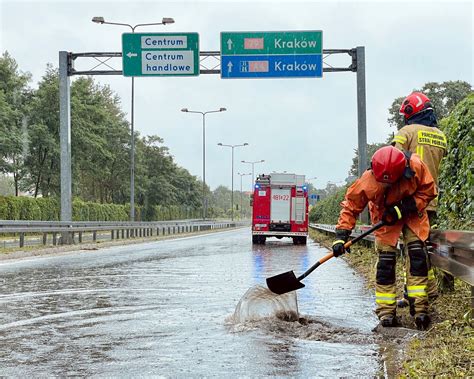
(388, 321)
(422, 321)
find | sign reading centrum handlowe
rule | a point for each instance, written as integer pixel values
(160, 54)
(292, 54)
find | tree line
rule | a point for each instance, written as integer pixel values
(100, 148)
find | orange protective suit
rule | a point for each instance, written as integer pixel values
(366, 190)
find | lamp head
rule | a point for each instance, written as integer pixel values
(246, 144)
(184, 110)
(222, 109)
(98, 20)
(167, 20)
(219, 144)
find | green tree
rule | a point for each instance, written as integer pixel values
(14, 95)
(42, 162)
(444, 97)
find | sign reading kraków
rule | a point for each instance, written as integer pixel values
(271, 54)
(160, 54)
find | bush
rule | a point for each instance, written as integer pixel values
(456, 179)
(49, 209)
(327, 210)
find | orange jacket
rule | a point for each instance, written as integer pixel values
(366, 190)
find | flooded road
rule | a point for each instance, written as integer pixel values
(164, 308)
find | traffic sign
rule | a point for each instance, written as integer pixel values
(160, 54)
(271, 54)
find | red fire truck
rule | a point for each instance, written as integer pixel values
(280, 208)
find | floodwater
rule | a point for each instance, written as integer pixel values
(165, 308)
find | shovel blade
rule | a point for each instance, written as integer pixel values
(283, 283)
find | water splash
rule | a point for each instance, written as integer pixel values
(259, 302)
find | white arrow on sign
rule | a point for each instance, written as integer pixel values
(229, 67)
(132, 54)
(229, 44)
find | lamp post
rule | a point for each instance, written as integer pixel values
(164, 21)
(204, 198)
(241, 175)
(253, 164)
(232, 194)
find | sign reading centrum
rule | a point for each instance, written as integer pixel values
(160, 54)
(289, 54)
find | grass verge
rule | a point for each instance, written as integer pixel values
(446, 350)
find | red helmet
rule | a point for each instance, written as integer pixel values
(415, 103)
(388, 164)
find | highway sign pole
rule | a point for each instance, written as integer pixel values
(65, 136)
(361, 120)
(65, 143)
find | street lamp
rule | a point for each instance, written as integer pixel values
(241, 175)
(232, 194)
(253, 164)
(204, 199)
(164, 21)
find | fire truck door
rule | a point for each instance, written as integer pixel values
(280, 205)
(298, 209)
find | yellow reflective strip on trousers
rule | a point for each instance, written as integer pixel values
(399, 214)
(431, 274)
(416, 291)
(385, 298)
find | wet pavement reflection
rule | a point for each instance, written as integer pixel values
(162, 308)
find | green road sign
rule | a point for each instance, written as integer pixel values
(271, 43)
(160, 54)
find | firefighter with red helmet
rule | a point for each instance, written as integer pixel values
(397, 189)
(420, 135)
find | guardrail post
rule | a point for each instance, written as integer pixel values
(128, 233)
(112, 234)
(55, 241)
(80, 237)
(94, 236)
(22, 239)
(45, 238)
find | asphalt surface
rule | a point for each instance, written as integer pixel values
(165, 308)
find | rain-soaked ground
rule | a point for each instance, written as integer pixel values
(164, 308)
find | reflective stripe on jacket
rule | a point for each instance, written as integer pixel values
(367, 191)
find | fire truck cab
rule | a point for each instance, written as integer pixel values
(280, 208)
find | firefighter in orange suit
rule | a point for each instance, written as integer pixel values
(420, 135)
(397, 189)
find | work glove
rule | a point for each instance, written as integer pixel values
(342, 236)
(397, 211)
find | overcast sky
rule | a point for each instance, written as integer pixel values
(305, 126)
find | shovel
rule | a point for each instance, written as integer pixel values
(287, 282)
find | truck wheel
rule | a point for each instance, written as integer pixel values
(262, 240)
(296, 240)
(255, 240)
(303, 240)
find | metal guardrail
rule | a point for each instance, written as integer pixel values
(71, 232)
(453, 251)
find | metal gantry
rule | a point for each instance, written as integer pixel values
(210, 63)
